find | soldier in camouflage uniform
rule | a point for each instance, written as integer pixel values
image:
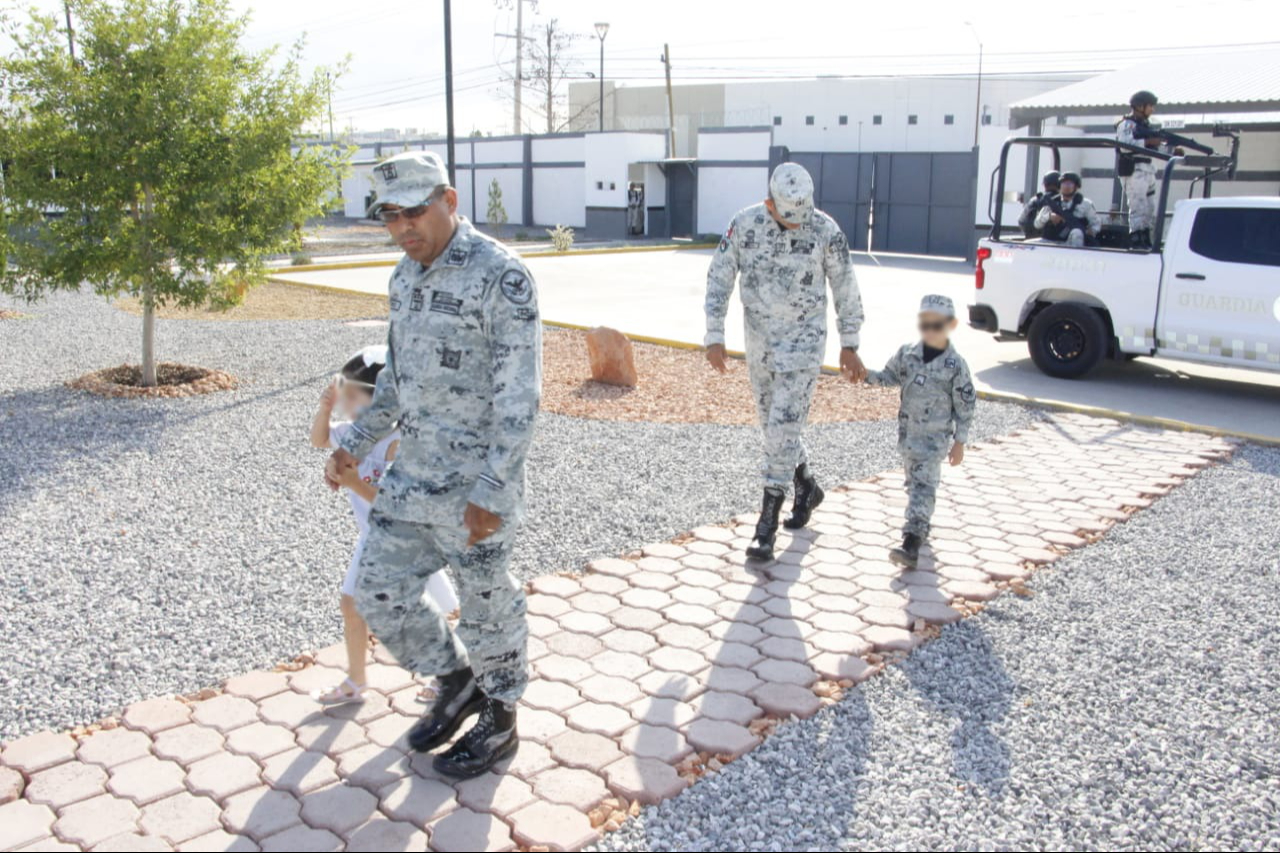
(933, 418)
(462, 383)
(785, 254)
(1139, 174)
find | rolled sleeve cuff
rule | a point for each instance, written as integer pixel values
(357, 442)
(850, 339)
(962, 434)
(713, 338)
(491, 493)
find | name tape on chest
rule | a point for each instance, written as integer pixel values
(445, 303)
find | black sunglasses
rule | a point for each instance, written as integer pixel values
(936, 326)
(389, 216)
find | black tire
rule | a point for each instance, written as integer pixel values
(1067, 340)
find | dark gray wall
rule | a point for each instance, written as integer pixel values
(607, 223)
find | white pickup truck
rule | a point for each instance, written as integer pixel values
(1209, 292)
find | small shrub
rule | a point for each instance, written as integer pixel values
(522, 235)
(496, 215)
(301, 259)
(561, 238)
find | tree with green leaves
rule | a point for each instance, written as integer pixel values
(160, 162)
(496, 216)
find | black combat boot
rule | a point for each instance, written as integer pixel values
(808, 496)
(761, 547)
(457, 697)
(490, 740)
(908, 555)
(1141, 240)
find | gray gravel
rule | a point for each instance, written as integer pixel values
(154, 547)
(1132, 704)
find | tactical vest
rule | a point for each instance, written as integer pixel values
(1070, 219)
(1125, 161)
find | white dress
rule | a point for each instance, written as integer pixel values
(372, 467)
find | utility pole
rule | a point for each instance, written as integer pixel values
(328, 76)
(977, 106)
(602, 30)
(448, 89)
(671, 104)
(551, 65)
(517, 126)
(71, 33)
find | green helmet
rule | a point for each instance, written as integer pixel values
(1050, 179)
(1142, 98)
(1073, 177)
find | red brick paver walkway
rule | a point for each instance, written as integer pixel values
(647, 672)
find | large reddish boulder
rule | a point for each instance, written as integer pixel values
(613, 360)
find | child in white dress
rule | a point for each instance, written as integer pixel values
(351, 391)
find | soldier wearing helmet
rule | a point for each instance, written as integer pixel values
(1027, 219)
(1138, 173)
(1069, 217)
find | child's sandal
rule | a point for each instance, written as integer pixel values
(346, 691)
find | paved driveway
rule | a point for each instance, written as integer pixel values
(660, 294)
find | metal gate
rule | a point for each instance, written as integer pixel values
(915, 203)
(682, 188)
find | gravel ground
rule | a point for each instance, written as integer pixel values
(149, 547)
(1132, 704)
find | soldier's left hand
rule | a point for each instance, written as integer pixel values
(851, 367)
(956, 456)
(480, 523)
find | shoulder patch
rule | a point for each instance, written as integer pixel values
(949, 362)
(515, 286)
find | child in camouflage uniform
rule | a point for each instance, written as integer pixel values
(933, 418)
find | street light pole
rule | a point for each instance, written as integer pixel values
(977, 106)
(602, 30)
(448, 90)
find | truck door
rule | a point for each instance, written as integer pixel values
(1220, 298)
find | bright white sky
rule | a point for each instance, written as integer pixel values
(397, 62)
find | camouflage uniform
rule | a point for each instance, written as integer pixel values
(784, 275)
(462, 382)
(1139, 187)
(1082, 213)
(936, 409)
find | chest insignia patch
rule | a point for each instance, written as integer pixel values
(416, 300)
(919, 380)
(457, 257)
(445, 303)
(451, 358)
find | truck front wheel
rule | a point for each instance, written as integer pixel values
(1067, 340)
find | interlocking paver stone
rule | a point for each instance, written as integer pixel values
(180, 818)
(36, 752)
(372, 767)
(380, 834)
(730, 679)
(298, 838)
(465, 831)
(785, 700)
(500, 795)
(609, 688)
(540, 725)
(66, 783)
(636, 618)
(299, 770)
(570, 786)
(338, 808)
(156, 715)
(785, 672)
(133, 842)
(225, 713)
(600, 718)
(260, 740)
(22, 823)
(574, 645)
(548, 826)
(417, 800)
(258, 685)
(11, 785)
(731, 707)
(146, 779)
(188, 744)
(261, 812)
(551, 695)
(721, 737)
(645, 779)
(288, 709)
(585, 750)
(220, 840)
(678, 660)
(92, 821)
(660, 742)
(223, 775)
(591, 624)
(621, 664)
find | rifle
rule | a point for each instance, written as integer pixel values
(1155, 131)
(1070, 219)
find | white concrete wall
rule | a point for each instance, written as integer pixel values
(747, 145)
(607, 156)
(722, 192)
(558, 197)
(566, 149)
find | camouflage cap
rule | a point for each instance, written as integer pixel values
(791, 189)
(407, 179)
(936, 303)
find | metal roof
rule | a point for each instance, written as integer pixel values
(1240, 81)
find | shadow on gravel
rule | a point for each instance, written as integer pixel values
(977, 700)
(45, 430)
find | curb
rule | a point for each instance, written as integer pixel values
(608, 250)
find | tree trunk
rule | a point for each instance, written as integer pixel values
(148, 337)
(148, 310)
